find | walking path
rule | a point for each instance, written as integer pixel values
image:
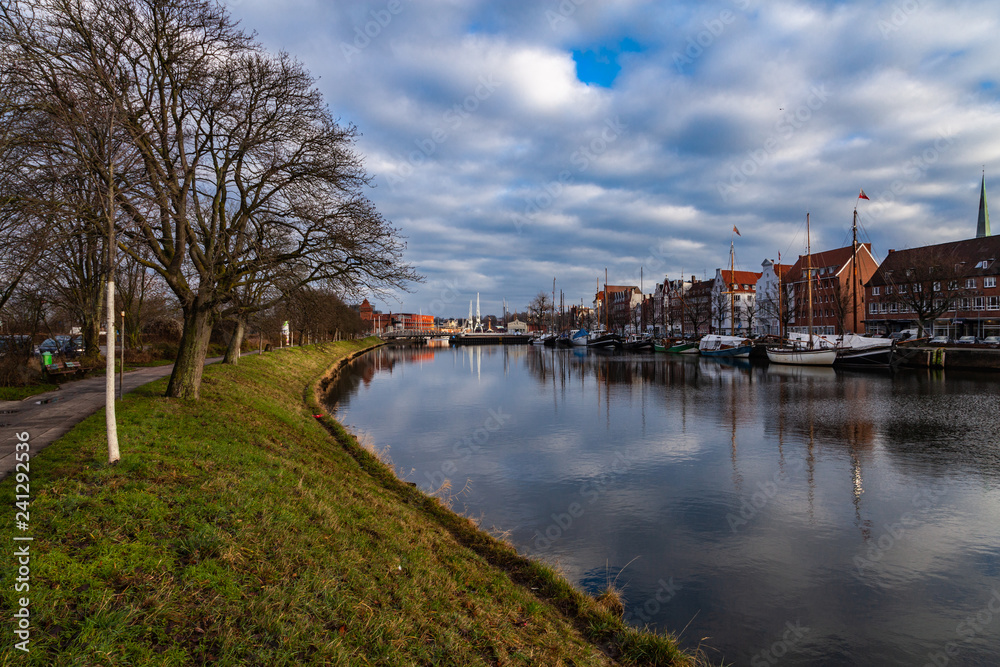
(49, 416)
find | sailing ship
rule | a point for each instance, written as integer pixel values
(807, 353)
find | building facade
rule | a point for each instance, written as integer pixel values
(771, 298)
(949, 289)
(733, 302)
(838, 293)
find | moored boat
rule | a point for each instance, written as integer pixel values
(607, 341)
(580, 338)
(714, 345)
(801, 356)
(683, 347)
(855, 351)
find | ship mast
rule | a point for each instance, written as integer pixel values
(732, 289)
(781, 332)
(809, 293)
(854, 271)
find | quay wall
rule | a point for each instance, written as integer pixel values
(973, 359)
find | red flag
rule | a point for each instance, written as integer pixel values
(863, 196)
(737, 231)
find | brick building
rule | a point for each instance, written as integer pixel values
(946, 289)
(833, 297)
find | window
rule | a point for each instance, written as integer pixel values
(993, 303)
(952, 284)
(873, 308)
(917, 288)
(966, 303)
(990, 281)
(894, 307)
(983, 264)
(970, 283)
(875, 291)
(902, 289)
(937, 287)
(884, 307)
(979, 303)
(888, 289)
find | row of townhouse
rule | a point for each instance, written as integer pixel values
(946, 289)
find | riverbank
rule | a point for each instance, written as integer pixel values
(242, 529)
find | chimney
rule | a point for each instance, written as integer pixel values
(891, 251)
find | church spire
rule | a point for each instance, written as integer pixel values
(983, 227)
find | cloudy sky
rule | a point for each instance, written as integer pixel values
(517, 142)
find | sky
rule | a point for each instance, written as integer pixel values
(513, 143)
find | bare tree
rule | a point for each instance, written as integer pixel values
(539, 308)
(929, 289)
(240, 169)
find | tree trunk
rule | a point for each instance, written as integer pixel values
(185, 380)
(235, 343)
(91, 330)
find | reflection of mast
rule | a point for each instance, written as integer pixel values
(737, 477)
(811, 462)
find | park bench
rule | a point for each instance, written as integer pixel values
(56, 370)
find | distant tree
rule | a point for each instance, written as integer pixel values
(720, 310)
(540, 308)
(697, 312)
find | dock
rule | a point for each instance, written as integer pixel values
(488, 339)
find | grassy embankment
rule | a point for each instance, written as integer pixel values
(241, 529)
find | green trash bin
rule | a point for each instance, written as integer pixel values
(47, 358)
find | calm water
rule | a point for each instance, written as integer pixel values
(772, 515)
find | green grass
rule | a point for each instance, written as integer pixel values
(21, 393)
(242, 530)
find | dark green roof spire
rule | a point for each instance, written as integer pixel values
(983, 227)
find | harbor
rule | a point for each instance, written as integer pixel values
(727, 498)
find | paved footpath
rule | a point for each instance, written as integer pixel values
(49, 416)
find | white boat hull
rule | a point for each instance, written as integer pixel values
(801, 357)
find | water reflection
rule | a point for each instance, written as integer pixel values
(730, 499)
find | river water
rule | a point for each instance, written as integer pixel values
(770, 515)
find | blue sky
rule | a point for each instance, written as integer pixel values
(517, 142)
